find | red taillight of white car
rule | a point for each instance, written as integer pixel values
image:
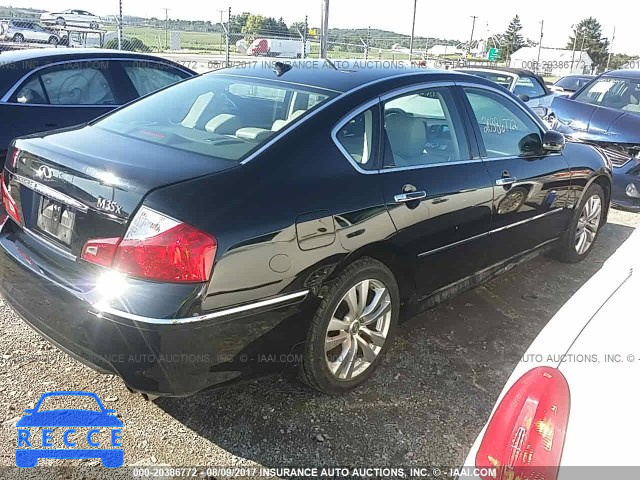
(526, 434)
(156, 247)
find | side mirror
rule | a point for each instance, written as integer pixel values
(553, 141)
(523, 97)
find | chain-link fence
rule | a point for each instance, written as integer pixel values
(207, 45)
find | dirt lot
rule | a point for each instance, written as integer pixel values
(424, 407)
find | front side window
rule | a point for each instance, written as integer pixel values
(505, 127)
(67, 84)
(147, 77)
(618, 93)
(221, 116)
(423, 128)
(528, 86)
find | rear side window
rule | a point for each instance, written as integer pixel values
(148, 77)
(79, 83)
(356, 137)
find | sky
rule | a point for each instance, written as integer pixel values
(442, 19)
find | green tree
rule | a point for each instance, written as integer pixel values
(588, 38)
(512, 40)
(253, 27)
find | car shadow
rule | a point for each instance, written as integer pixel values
(433, 392)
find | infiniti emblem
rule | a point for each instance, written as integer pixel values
(45, 172)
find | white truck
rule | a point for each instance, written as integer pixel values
(277, 47)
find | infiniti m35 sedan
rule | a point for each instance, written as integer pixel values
(247, 220)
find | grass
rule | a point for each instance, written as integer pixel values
(154, 38)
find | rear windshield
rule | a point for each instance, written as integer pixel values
(618, 93)
(220, 116)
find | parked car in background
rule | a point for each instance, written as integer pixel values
(526, 85)
(569, 84)
(72, 17)
(21, 31)
(606, 112)
(238, 221)
(583, 361)
(46, 89)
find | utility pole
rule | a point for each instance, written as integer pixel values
(120, 27)
(228, 40)
(413, 29)
(540, 45)
(613, 37)
(573, 52)
(324, 40)
(166, 28)
(473, 27)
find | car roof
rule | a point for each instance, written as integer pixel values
(14, 64)
(635, 74)
(338, 75)
(53, 54)
(511, 70)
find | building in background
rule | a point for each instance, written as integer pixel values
(553, 61)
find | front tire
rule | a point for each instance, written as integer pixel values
(352, 328)
(53, 41)
(18, 38)
(579, 240)
(61, 21)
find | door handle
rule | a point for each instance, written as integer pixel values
(410, 196)
(506, 181)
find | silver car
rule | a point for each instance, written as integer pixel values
(72, 17)
(21, 31)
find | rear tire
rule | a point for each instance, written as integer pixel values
(61, 21)
(53, 41)
(18, 38)
(352, 328)
(578, 241)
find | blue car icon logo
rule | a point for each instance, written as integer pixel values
(73, 428)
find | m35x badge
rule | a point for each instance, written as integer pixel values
(110, 206)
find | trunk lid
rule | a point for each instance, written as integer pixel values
(74, 185)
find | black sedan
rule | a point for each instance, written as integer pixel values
(46, 89)
(251, 219)
(606, 112)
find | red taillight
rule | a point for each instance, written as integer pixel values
(156, 247)
(12, 157)
(9, 204)
(525, 436)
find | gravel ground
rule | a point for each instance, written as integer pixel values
(425, 406)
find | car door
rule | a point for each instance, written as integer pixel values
(65, 94)
(436, 188)
(531, 187)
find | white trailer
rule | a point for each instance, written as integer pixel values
(277, 47)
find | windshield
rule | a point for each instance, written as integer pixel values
(216, 115)
(499, 78)
(618, 93)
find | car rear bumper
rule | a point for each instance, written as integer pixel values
(164, 357)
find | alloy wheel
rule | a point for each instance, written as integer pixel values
(358, 329)
(588, 224)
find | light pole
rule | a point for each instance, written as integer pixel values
(324, 40)
(413, 29)
(473, 27)
(540, 44)
(613, 37)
